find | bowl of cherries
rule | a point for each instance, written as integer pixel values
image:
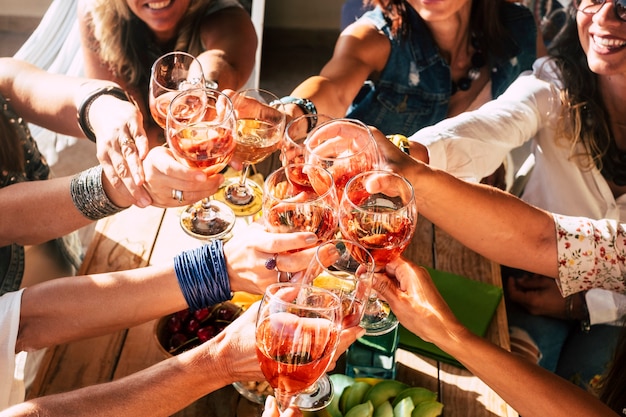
(187, 329)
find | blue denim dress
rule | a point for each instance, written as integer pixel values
(35, 168)
(414, 89)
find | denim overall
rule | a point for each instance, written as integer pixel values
(414, 88)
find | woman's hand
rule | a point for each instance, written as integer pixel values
(249, 250)
(164, 174)
(121, 144)
(415, 300)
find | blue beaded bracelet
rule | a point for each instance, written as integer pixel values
(202, 275)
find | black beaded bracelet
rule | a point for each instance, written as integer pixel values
(83, 109)
(305, 105)
(202, 275)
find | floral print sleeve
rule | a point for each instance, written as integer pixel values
(591, 254)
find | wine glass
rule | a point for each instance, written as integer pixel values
(379, 211)
(345, 147)
(292, 149)
(301, 198)
(171, 74)
(297, 334)
(260, 127)
(345, 268)
(200, 132)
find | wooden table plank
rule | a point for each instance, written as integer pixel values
(123, 241)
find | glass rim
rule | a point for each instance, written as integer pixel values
(169, 54)
(371, 143)
(216, 93)
(272, 290)
(332, 186)
(354, 179)
(371, 265)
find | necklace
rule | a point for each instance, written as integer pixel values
(478, 61)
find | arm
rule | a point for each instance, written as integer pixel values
(529, 389)
(473, 144)
(139, 295)
(228, 60)
(359, 52)
(164, 388)
(489, 221)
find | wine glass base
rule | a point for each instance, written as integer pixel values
(320, 396)
(377, 325)
(218, 226)
(242, 204)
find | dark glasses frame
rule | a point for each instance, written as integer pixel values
(619, 7)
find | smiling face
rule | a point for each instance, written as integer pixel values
(603, 38)
(161, 16)
(440, 10)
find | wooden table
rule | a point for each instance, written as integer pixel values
(139, 237)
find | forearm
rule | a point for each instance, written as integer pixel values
(487, 220)
(108, 302)
(528, 388)
(160, 390)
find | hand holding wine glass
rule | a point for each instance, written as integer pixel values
(345, 147)
(200, 133)
(301, 198)
(346, 269)
(292, 150)
(297, 334)
(379, 211)
(260, 126)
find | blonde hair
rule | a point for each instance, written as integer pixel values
(115, 42)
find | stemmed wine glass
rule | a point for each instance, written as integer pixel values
(260, 127)
(345, 147)
(379, 211)
(297, 334)
(293, 149)
(200, 131)
(170, 74)
(301, 198)
(345, 268)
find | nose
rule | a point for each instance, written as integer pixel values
(606, 14)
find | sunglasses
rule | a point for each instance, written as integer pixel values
(593, 6)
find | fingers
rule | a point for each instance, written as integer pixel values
(165, 175)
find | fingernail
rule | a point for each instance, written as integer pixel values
(311, 239)
(143, 202)
(200, 177)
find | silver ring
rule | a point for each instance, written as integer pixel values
(177, 195)
(127, 141)
(270, 263)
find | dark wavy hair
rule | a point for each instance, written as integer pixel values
(585, 120)
(484, 19)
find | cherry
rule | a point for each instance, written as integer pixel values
(174, 324)
(201, 314)
(205, 333)
(192, 326)
(177, 340)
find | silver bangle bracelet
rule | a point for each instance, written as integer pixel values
(89, 197)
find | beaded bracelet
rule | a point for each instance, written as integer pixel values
(202, 275)
(305, 105)
(83, 109)
(89, 197)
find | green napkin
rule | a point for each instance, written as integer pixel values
(473, 303)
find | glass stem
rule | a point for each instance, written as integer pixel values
(244, 175)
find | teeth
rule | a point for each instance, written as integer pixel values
(159, 5)
(609, 43)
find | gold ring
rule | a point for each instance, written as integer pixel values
(127, 141)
